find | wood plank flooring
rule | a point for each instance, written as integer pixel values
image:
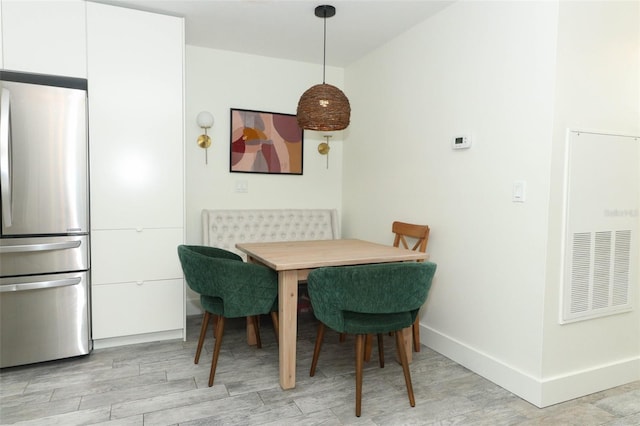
(158, 384)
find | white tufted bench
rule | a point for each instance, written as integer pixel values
(225, 228)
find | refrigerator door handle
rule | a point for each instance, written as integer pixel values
(40, 285)
(40, 247)
(5, 154)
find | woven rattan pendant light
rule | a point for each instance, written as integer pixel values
(324, 107)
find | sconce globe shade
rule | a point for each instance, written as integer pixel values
(323, 107)
(205, 119)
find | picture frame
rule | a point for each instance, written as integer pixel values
(265, 142)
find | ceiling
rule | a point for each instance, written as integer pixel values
(290, 29)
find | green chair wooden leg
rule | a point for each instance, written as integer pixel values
(203, 332)
(380, 350)
(316, 350)
(415, 328)
(214, 319)
(405, 366)
(368, 347)
(255, 319)
(276, 326)
(359, 367)
(216, 349)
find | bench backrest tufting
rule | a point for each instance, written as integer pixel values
(225, 228)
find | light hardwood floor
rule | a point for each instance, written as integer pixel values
(158, 384)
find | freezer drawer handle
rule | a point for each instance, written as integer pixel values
(40, 285)
(41, 247)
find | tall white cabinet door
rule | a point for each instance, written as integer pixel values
(136, 104)
(1, 40)
(136, 140)
(45, 37)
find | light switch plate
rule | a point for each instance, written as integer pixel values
(519, 191)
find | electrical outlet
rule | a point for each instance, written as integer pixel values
(242, 186)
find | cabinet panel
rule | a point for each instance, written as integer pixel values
(1, 39)
(47, 37)
(136, 138)
(127, 309)
(135, 65)
(129, 255)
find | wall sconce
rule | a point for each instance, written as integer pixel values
(324, 148)
(205, 121)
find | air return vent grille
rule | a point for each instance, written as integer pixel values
(600, 272)
(580, 273)
(601, 224)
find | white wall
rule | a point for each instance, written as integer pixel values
(509, 75)
(488, 70)
(217, 81)
(597, 84)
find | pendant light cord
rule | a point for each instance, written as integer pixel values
(324, 52)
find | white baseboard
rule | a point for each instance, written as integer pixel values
(539, 392)
(138, 338)
(585, 382)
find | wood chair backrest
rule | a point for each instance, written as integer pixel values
(418, 232)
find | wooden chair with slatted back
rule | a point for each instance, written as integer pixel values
(419, 233)
(403, 231)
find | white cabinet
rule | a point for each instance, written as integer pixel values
(121, 255)
(139, 308)
(1, 40)
(136, 109)
(135, 73)
(45, 37)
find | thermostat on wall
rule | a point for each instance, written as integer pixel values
(461, 142)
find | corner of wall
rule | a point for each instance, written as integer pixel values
(515, 381)
(576, 384)
(539, 392)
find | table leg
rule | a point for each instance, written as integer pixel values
(288, 313)
(251, 334)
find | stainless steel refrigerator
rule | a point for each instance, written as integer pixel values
(44, 242)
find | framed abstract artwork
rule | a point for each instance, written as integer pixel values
(265, 142)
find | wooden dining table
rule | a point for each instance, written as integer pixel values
(293, 260)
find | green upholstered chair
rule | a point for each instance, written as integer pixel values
(228, 288)
(369, 299)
